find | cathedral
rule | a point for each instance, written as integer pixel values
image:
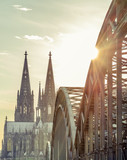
(25, 138)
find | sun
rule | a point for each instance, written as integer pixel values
(73, 55)
(94, 53)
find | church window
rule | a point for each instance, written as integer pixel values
(49, 109)
(25, 110)
(9, 144)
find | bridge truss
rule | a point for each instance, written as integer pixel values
(104, 130)
(100, 131)
(64, 123)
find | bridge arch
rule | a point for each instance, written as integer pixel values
(104, 104)
(64, 122)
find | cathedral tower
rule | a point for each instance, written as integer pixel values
(49, 105)
(24, 111)
(46, 100)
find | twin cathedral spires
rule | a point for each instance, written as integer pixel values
(24, 111)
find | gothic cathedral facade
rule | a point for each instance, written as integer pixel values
(25, 137)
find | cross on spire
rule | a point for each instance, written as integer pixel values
(25, 53)
(50, 54)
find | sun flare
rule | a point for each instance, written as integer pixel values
(94, 53)
(73, 54)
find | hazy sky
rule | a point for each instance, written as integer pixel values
(67, 28)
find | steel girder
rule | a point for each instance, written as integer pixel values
(102, 124)
(65, 122)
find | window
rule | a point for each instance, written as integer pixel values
(49, 109)
(20, 109)
(25, 110)
(9, 143)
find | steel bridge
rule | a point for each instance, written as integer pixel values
(90, 123)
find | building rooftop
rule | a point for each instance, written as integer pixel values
(19, 127)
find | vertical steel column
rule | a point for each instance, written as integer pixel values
(86, 145)
(96, 123)
(102, 119)
(119, 99)
(91, 131)
(110, 149)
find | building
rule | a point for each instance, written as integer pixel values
(24, 138)
(18, 135)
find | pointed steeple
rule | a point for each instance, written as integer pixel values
(49, 92)
(25, 109)
(50, 78)
(25, 84)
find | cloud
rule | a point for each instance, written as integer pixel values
(19, 7)
(25, 9)
(33, 37)
(16, 6)
(36, 37)
(3, 53)
(17, 37)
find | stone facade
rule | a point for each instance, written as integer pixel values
(24, 138)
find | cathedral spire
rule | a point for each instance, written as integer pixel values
(50, 77)
(24, 110)
(25, 84)
(50, 91)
